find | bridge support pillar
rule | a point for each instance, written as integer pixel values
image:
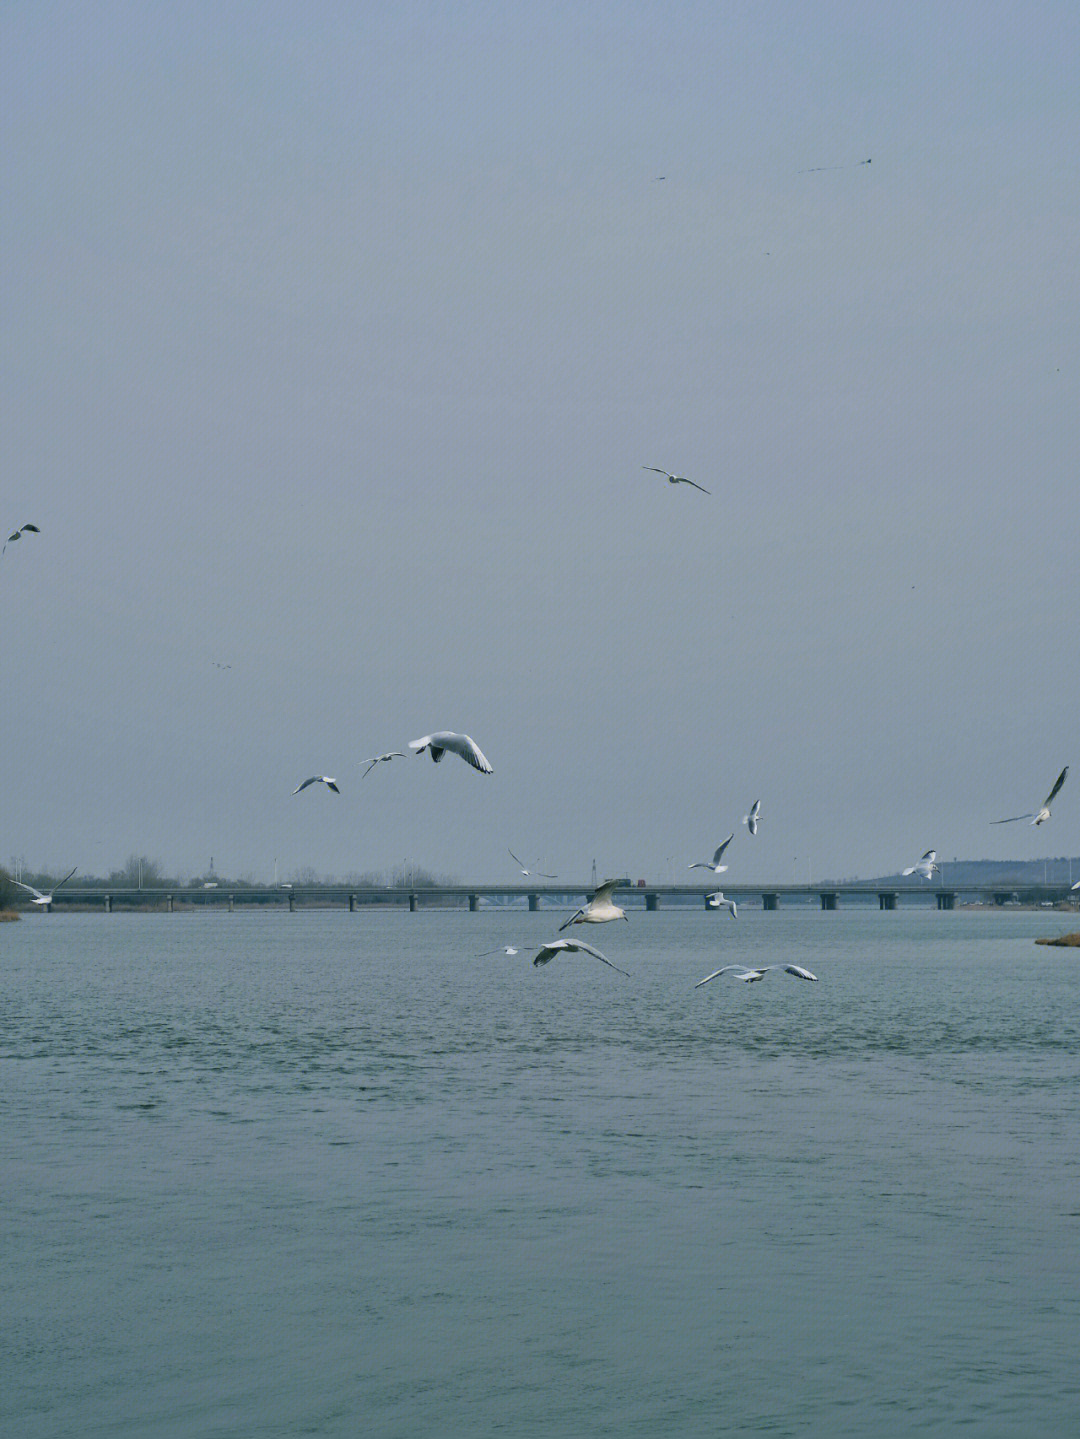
(770, 901)
(108, 904)
(1000, 897)
(292, 901)
(232, 903)
(412, 903)
(828, 899)
(169, 904)
(652, 902)
(352, 903)
(474, 903)
(534, 903)
(946, 899)
(886, 900)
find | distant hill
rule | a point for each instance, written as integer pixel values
(959, 872)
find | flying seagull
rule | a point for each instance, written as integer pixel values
(715, 865)
(1043, 814)
(459, 744)
(718, 901)
(571, 946)
(926, 866)
(503, 949)
(599, 909)
(677, 479)
(817, 169)
(43, 899)
(373, 760)
(751, 819)
(22, 530)
(539, 873)
(318, 779)
(750, 975)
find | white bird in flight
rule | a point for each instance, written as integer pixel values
(22, 530)
(751, 819)
(677, 479)
(714, 864)
(43, 899)
(373, 760)
(503, 949)
(325, 779)
(459, 744)
(599, 909)
(750, 975)
(539, 873)
(927, 865)
(1043, 814)
(718, 901)
(571, 946)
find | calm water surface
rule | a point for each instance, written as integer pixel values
(330, 1174)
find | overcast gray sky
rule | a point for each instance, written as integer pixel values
(336, 336)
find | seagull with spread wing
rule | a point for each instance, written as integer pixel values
(751, 819)
(927, 865)
(677, 479)
(527, 872)
(571, 946)
(599, 909)
(750, 976)
(325, 779)
(714, 864)
(1042, 815)
(373, 760)
(22, 530)
(720, 901)
(44, 900)
(459, 744)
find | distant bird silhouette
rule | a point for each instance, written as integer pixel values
(459, 744)
(22, 530)
(677, 479)
(539, 873)
(318, 779)
(817, 169)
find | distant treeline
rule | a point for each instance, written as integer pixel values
(142, 872)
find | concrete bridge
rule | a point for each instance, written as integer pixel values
(474, 897)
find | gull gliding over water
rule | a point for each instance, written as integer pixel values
(373, 760)
(718, 901)
(1043, 814)
(571, 946)
(43, 899)
(459, 744)
(539, 873)
(749, 976)
(325, 779)
(714, 864)
(599, 909)
(677, 479)
(927, 866)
